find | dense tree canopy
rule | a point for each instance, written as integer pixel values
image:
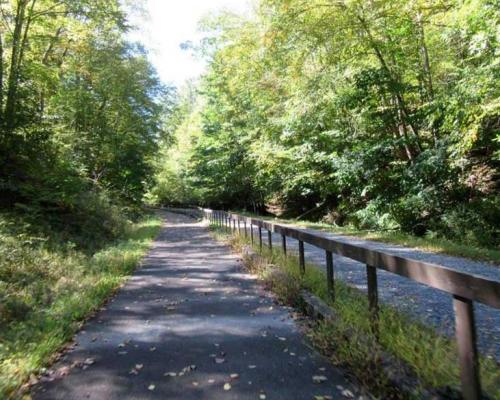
(81, 109)
(383, 114)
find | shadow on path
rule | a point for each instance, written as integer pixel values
(191, 310)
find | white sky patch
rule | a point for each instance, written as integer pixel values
(169, 23)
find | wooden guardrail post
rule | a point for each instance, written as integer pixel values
(283, 244)
(239, 228)
(260, 239)
(465, 288)
(245, 225)
(234, 225)
(467, 348)
(270, 240)
(330, 277)
(302, 263)
(371, 274)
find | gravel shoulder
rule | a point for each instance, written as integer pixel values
(426, 304)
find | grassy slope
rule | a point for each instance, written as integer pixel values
(349, 340)
(55, 290)
(436, 245)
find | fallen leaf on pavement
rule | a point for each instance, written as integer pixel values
(136, 369)
(319, 378)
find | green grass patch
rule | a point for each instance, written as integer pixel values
(47, 290)
(349, 340)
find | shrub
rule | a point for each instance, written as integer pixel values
(476, 223)
(373, 216)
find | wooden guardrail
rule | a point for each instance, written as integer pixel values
(464, 288)
(190, 212)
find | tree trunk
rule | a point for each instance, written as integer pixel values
(45, 61)
(19, 39)
(50, 47)
(1, 80)
(426, 66)
(425, 58)
(13, 73)
(395, 84)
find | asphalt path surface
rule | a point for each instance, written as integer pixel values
(422, 302)
(192, 324)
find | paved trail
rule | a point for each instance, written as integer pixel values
(430, 305)
(191, 310)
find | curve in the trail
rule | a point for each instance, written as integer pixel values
(191, 324)
(420, 301)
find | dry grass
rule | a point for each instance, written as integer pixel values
(349, 341)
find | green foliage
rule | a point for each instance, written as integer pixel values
(383, 113)
(48, 286)
(82, 115)
(172, 184)
(81, 109)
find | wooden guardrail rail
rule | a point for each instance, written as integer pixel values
(464, 288)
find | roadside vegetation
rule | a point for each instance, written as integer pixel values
(49, 286)
(348, 341)
(425, 243)
(82, 116)
(381, 116)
